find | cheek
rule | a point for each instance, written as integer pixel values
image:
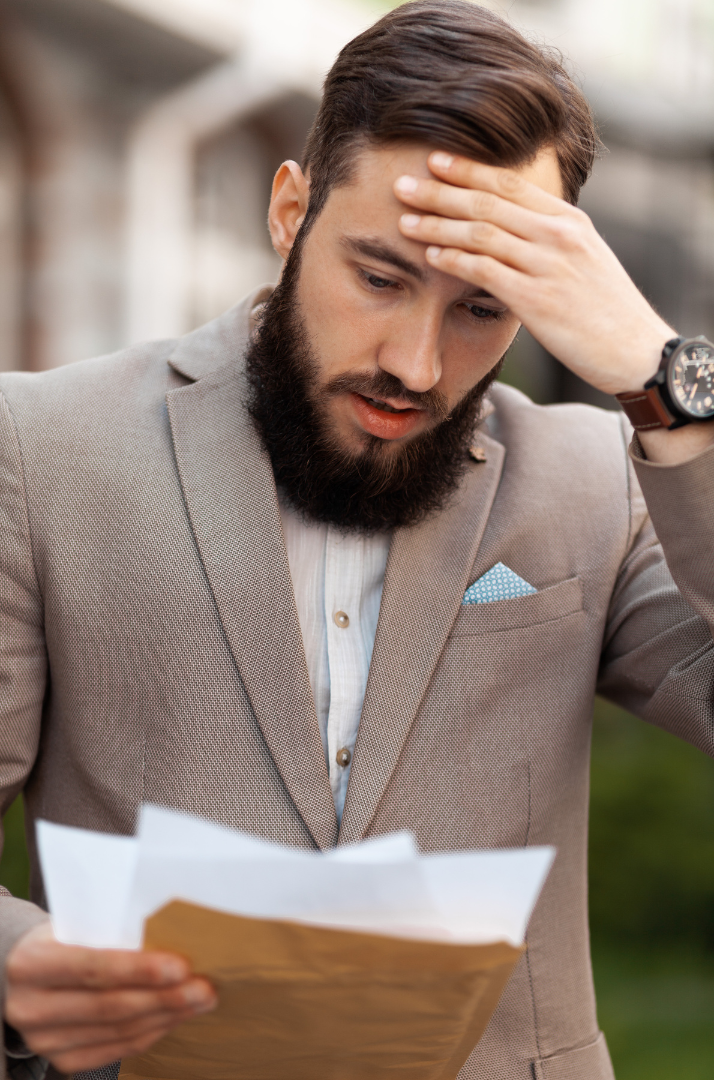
(470, 358)
(343, 331)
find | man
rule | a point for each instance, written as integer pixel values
(234, 566)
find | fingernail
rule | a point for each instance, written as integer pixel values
(205, 1006)
(198, 996)
(407, 184)
(433, 252)
(172, 971)
(442, 160)
(410, 221)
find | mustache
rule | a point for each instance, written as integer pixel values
(384, 385)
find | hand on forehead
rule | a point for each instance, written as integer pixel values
(458, 187)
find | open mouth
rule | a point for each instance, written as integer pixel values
(379, 418)
(376, 404)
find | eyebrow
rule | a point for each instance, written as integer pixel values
(375, 249)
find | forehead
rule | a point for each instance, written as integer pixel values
(376, 169)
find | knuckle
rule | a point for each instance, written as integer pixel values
(509, 182)
(20, 1014)
(568, 234)
(110, 1008)
(41, 1042)
(481, 231)
(442, 196)
(579, 216)
(17, 969)
(483, 203)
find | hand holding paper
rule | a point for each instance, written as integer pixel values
(403, 955)
(82, 1007)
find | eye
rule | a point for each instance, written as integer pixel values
(483, 314)
(377, 282)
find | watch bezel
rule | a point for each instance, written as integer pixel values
(669, 371)
(662, 380)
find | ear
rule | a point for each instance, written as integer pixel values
(288, 206)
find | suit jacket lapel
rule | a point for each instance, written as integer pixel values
(427, 574)
(230, 494)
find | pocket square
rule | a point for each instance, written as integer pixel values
(498, 583)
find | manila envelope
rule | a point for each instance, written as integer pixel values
(301, 1002)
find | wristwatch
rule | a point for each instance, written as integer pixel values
(680, 392)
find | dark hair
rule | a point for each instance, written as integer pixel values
(455, 76)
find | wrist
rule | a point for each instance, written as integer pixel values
(643, 362)
(663, 447)
(681, 391)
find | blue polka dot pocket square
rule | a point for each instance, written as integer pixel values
(498, 583)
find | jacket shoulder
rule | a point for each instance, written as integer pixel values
(131, 372)
(585, 431)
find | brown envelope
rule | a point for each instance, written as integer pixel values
(303, 1002)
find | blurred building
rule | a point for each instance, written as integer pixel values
(138, 139)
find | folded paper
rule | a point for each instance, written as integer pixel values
(359, 962)
(499, 583)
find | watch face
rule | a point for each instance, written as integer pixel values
(691, 380)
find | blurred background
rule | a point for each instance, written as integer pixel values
(138, 139)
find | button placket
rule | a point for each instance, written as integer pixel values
(343, 582)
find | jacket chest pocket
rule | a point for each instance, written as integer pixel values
(547, 605)
(509, 690)
(520, 658)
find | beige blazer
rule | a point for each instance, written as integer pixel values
(150, 646)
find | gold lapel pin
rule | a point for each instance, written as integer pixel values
(477, 453)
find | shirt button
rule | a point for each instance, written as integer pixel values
(342, 619)
(343, 757)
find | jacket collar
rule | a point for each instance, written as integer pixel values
(228, 485)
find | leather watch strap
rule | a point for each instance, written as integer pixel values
(645, 409)
(648, 408)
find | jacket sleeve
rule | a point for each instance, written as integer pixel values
(658, 656)
(23, 663)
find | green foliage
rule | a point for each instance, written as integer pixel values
(652, 898)
(651, 836)
(656, 1007)
(14, 865)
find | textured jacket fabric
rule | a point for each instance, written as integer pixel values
(151, 648)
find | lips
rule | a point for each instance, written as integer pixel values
(384, 420)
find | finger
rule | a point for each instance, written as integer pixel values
(57, 1040)
(94, 1057)
(478, 237)
(40, 1008)
(445, 200)
(499, 280)
(507, 184)
(49, 963)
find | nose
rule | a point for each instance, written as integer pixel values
(413, 355)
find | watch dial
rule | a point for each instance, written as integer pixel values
(692, 381)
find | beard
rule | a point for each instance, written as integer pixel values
(382, 486)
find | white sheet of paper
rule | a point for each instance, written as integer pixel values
(183, 834)
(88, 878)
(487, 895)
(101, 888)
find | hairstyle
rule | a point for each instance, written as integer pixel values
(457, 77)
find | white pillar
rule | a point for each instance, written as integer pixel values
(160, 202)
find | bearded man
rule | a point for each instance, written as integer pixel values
(309, 572)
